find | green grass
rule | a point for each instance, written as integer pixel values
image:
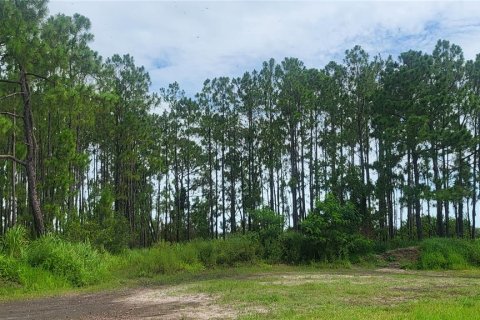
(19, 279)
(453, 254)
(51, 265)
(192, 257)
(78, 263)
(303, 293)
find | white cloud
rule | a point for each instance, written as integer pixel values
(188, 42)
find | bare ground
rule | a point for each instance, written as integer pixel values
(146, 303)
(397, 258)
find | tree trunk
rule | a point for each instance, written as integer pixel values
(30, 164)
(294, 175)
(445, 186)
(438, 187)
(474, 198)
(416, 173)
(13, 221)
(233, 177)
(210, 181)
(224, 221)
(460, 201)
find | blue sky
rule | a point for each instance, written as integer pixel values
(189, 42)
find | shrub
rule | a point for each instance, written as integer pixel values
(112, 234)
(14, 241)
(25, 277)
(237, 249)
(163, 258)
(10, 269)
(79, 263)
(332, 230)
(207, 252)
(433, 260)
(449, 254)
(360, 246)
(268, 225)
(295, 247)
(166, 258)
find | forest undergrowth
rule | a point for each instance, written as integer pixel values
(51, 265)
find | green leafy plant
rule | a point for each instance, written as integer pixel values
(332, 230)
(79, 263)
(15, 241)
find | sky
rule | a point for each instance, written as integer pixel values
(189, 42)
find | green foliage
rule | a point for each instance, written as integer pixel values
(112, 234)
(166, 258)
(233, 251)
(10, 269)
(236, 250)
(5, 125)
(105, 230)
(79, 263)
(449, 254)
(50, 263)
(360, 246)
(295, 247)
(14, 241)
(17, 275)
(268, 225)
(332, 230)
(160, 259)
(207, 252)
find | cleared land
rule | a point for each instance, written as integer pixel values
(281, 293)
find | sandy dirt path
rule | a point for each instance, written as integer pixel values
(144, 303)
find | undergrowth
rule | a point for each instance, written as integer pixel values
(50, 264)
(454, 254)
(195, 256)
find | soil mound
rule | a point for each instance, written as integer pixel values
(401, 258)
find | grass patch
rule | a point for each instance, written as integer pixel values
(19, 278)
(78, 263)
(454, 254)
(192, 257)
(47, 265)
(348, 294)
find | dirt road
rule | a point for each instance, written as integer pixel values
(147, 303)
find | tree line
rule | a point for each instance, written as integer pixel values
(87, 150)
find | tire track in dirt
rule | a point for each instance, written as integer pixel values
(145, 303)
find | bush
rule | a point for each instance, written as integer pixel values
(360, 246)
(231, 251)
(25, 277)
(79, 263)
(112, 234)
(14, 241)
(207, 252)
(163, 258)
(295, 247)
(166, 258)
(449, 254)
(237, 249)
(332, 231)
(268, 226)
(10, 269)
